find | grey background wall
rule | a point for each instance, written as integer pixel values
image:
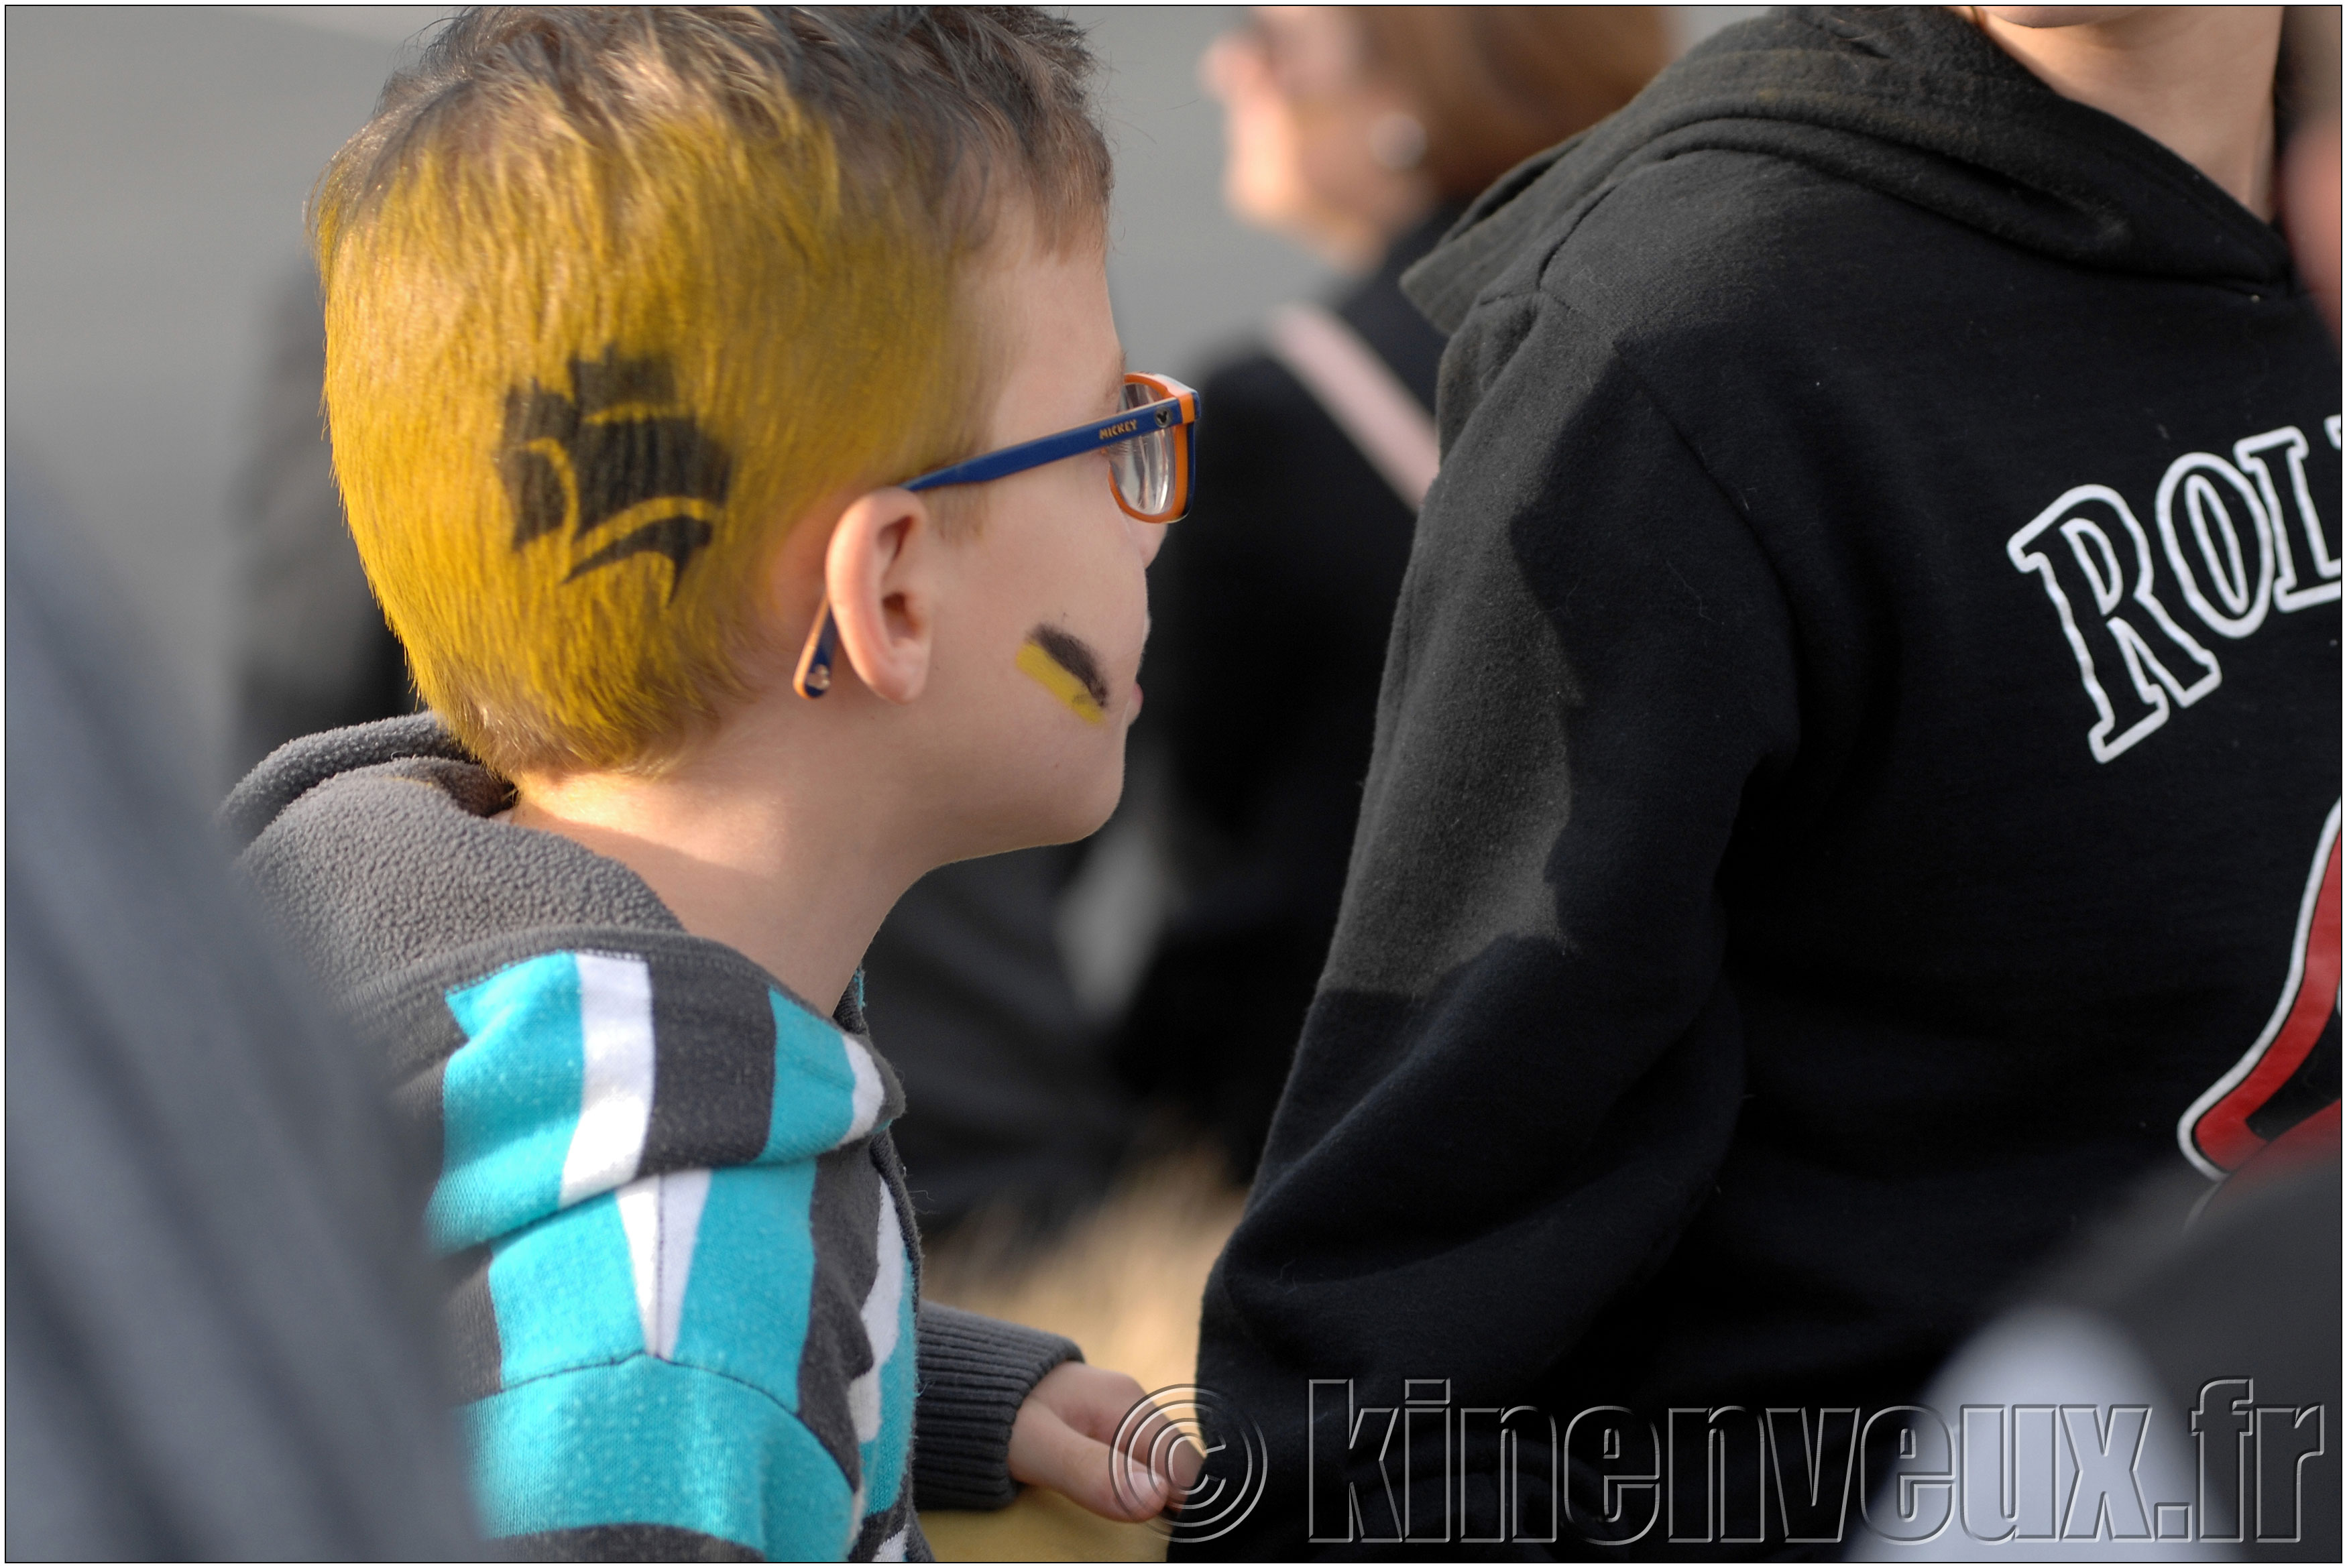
(156, 161)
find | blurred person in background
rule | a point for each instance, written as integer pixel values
(219, 1311)
(1360, 132)
(2309, 195)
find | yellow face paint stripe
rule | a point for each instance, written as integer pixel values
(1048, 672)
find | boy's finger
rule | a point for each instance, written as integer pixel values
(1059, 1456)
(1186, 1462)
(1156, 1444)
(1151, 1439)
(1101, 1403)
(1139, 1430)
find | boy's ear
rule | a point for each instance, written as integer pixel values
(880, 572)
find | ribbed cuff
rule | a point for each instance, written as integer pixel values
(975, 1373)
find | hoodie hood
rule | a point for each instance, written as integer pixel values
(547, 1017)
(1911, 101)
(377, 846)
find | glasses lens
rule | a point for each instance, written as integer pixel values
(1143, 467)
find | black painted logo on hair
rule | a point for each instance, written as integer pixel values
(613, 468)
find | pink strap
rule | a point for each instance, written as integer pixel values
(1369, 404)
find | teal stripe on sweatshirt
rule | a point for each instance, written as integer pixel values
(884, 1457)
(509, 1101)
(746, 1311)
(564, 1292)
(651, 1443)
(816, 1085)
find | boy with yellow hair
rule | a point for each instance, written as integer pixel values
(730, 416)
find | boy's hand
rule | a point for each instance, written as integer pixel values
(1062, 1435)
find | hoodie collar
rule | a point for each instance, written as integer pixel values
(540, 1004)
(378, 845)
(1912, 101)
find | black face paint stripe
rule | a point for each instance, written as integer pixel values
(1075, 656)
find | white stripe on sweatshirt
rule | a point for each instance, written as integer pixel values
(615, 1099)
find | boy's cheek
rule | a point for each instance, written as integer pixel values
(1056, 772)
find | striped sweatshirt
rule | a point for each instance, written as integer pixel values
(685, 1308)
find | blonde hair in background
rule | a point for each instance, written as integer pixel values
(616, 295)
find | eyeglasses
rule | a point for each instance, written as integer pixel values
(1152, 461)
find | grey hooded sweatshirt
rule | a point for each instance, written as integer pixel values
(685, 1307)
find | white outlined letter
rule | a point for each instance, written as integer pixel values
(2094, 570)
(2228, 593)
(2322, 556)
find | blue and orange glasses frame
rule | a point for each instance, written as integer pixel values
(1153, 462)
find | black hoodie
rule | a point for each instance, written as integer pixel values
(1855, 777)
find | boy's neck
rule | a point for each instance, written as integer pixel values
(748, 843)
(2197, 79)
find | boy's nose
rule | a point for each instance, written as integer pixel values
(1152, 538)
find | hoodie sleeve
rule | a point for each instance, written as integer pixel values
(1522, 1066)
(975, 1373)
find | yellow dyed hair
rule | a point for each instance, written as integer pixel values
(615, 295)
